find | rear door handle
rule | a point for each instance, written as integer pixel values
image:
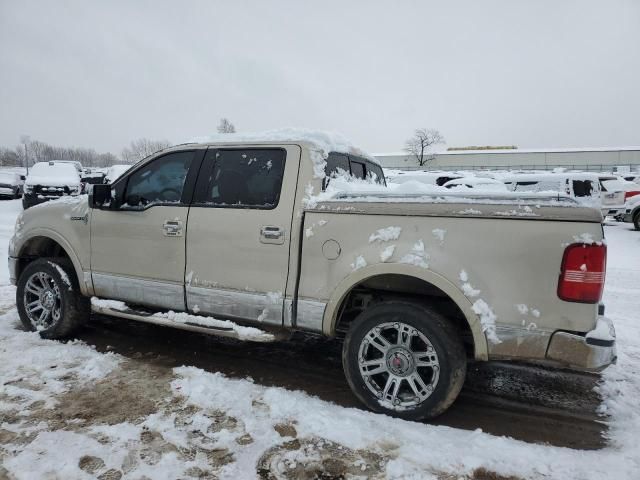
(172, 228)
(274, 235)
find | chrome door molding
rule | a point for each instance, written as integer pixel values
(310, 314)
(140, 291)
(235, 304)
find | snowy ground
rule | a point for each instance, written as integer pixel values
(68, 411)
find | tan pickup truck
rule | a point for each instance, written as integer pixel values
(244, 239)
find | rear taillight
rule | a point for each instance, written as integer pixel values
(628, 195)
(582, 274)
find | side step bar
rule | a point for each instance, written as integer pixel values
(229, 330)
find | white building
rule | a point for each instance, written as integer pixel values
(594, 159)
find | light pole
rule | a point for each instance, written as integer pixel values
(25, 140)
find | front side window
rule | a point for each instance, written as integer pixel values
(160, 181)
(246, 178)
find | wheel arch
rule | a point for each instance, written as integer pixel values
(47, 243)
(432, 281)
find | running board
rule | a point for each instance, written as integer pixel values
(192, 323)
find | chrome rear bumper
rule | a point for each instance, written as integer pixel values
(592, 352)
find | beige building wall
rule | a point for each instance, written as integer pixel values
(595, 160)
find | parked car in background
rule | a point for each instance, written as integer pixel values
(633, 177)
(11, 184)
(428, 178)
(114, 172)
(78, 166)
(92, 177)
(612, 194)
(632, 212)
(50, 180)
(583, 187)
(478, 183)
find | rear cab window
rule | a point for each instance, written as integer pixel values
(357, 167)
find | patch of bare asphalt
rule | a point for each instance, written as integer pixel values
(532, 404)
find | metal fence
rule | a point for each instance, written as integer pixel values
(589, 167)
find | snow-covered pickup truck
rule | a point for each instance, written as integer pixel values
(257, 238)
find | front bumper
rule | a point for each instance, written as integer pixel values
(591, 352)
(13, 270)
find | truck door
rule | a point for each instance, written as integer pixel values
(239, 232)
(138, 248)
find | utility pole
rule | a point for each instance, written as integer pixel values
(25, 140)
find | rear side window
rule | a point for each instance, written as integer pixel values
(159, 181)
(246, 178)
(336, 163)
(358, 170)
(582, 188)
(375, 173)
(355, 166)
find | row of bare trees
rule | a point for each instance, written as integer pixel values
(32, 151)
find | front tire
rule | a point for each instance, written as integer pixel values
(49, 299)
(404, 359)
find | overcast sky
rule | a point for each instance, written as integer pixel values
(531, 73)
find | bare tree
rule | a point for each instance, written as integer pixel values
(419, 146)
(139, 149)
(225, 126)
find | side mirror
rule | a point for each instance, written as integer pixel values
(100, 196)
(23, 177)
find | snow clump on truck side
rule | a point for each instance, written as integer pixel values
(385, 234)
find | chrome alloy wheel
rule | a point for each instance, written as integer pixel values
(42, 301)
(398, 364)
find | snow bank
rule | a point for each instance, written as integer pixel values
(35, 370)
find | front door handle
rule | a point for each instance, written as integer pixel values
(274, 235)
(172, 228)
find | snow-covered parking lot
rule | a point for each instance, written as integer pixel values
(70, 411)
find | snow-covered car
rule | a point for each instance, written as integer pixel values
(92, 177)
(632, 177)
(478, 183)
(428, 178)
(50, 180)
(77, 165)
(243, 237)
(11, 184)
(612, 194)
(114, 172)
(583, 187)
(632, 212)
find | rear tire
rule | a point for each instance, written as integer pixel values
(49, 299)
(404, 359)
(636, 221)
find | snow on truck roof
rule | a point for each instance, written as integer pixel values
(325, 141)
